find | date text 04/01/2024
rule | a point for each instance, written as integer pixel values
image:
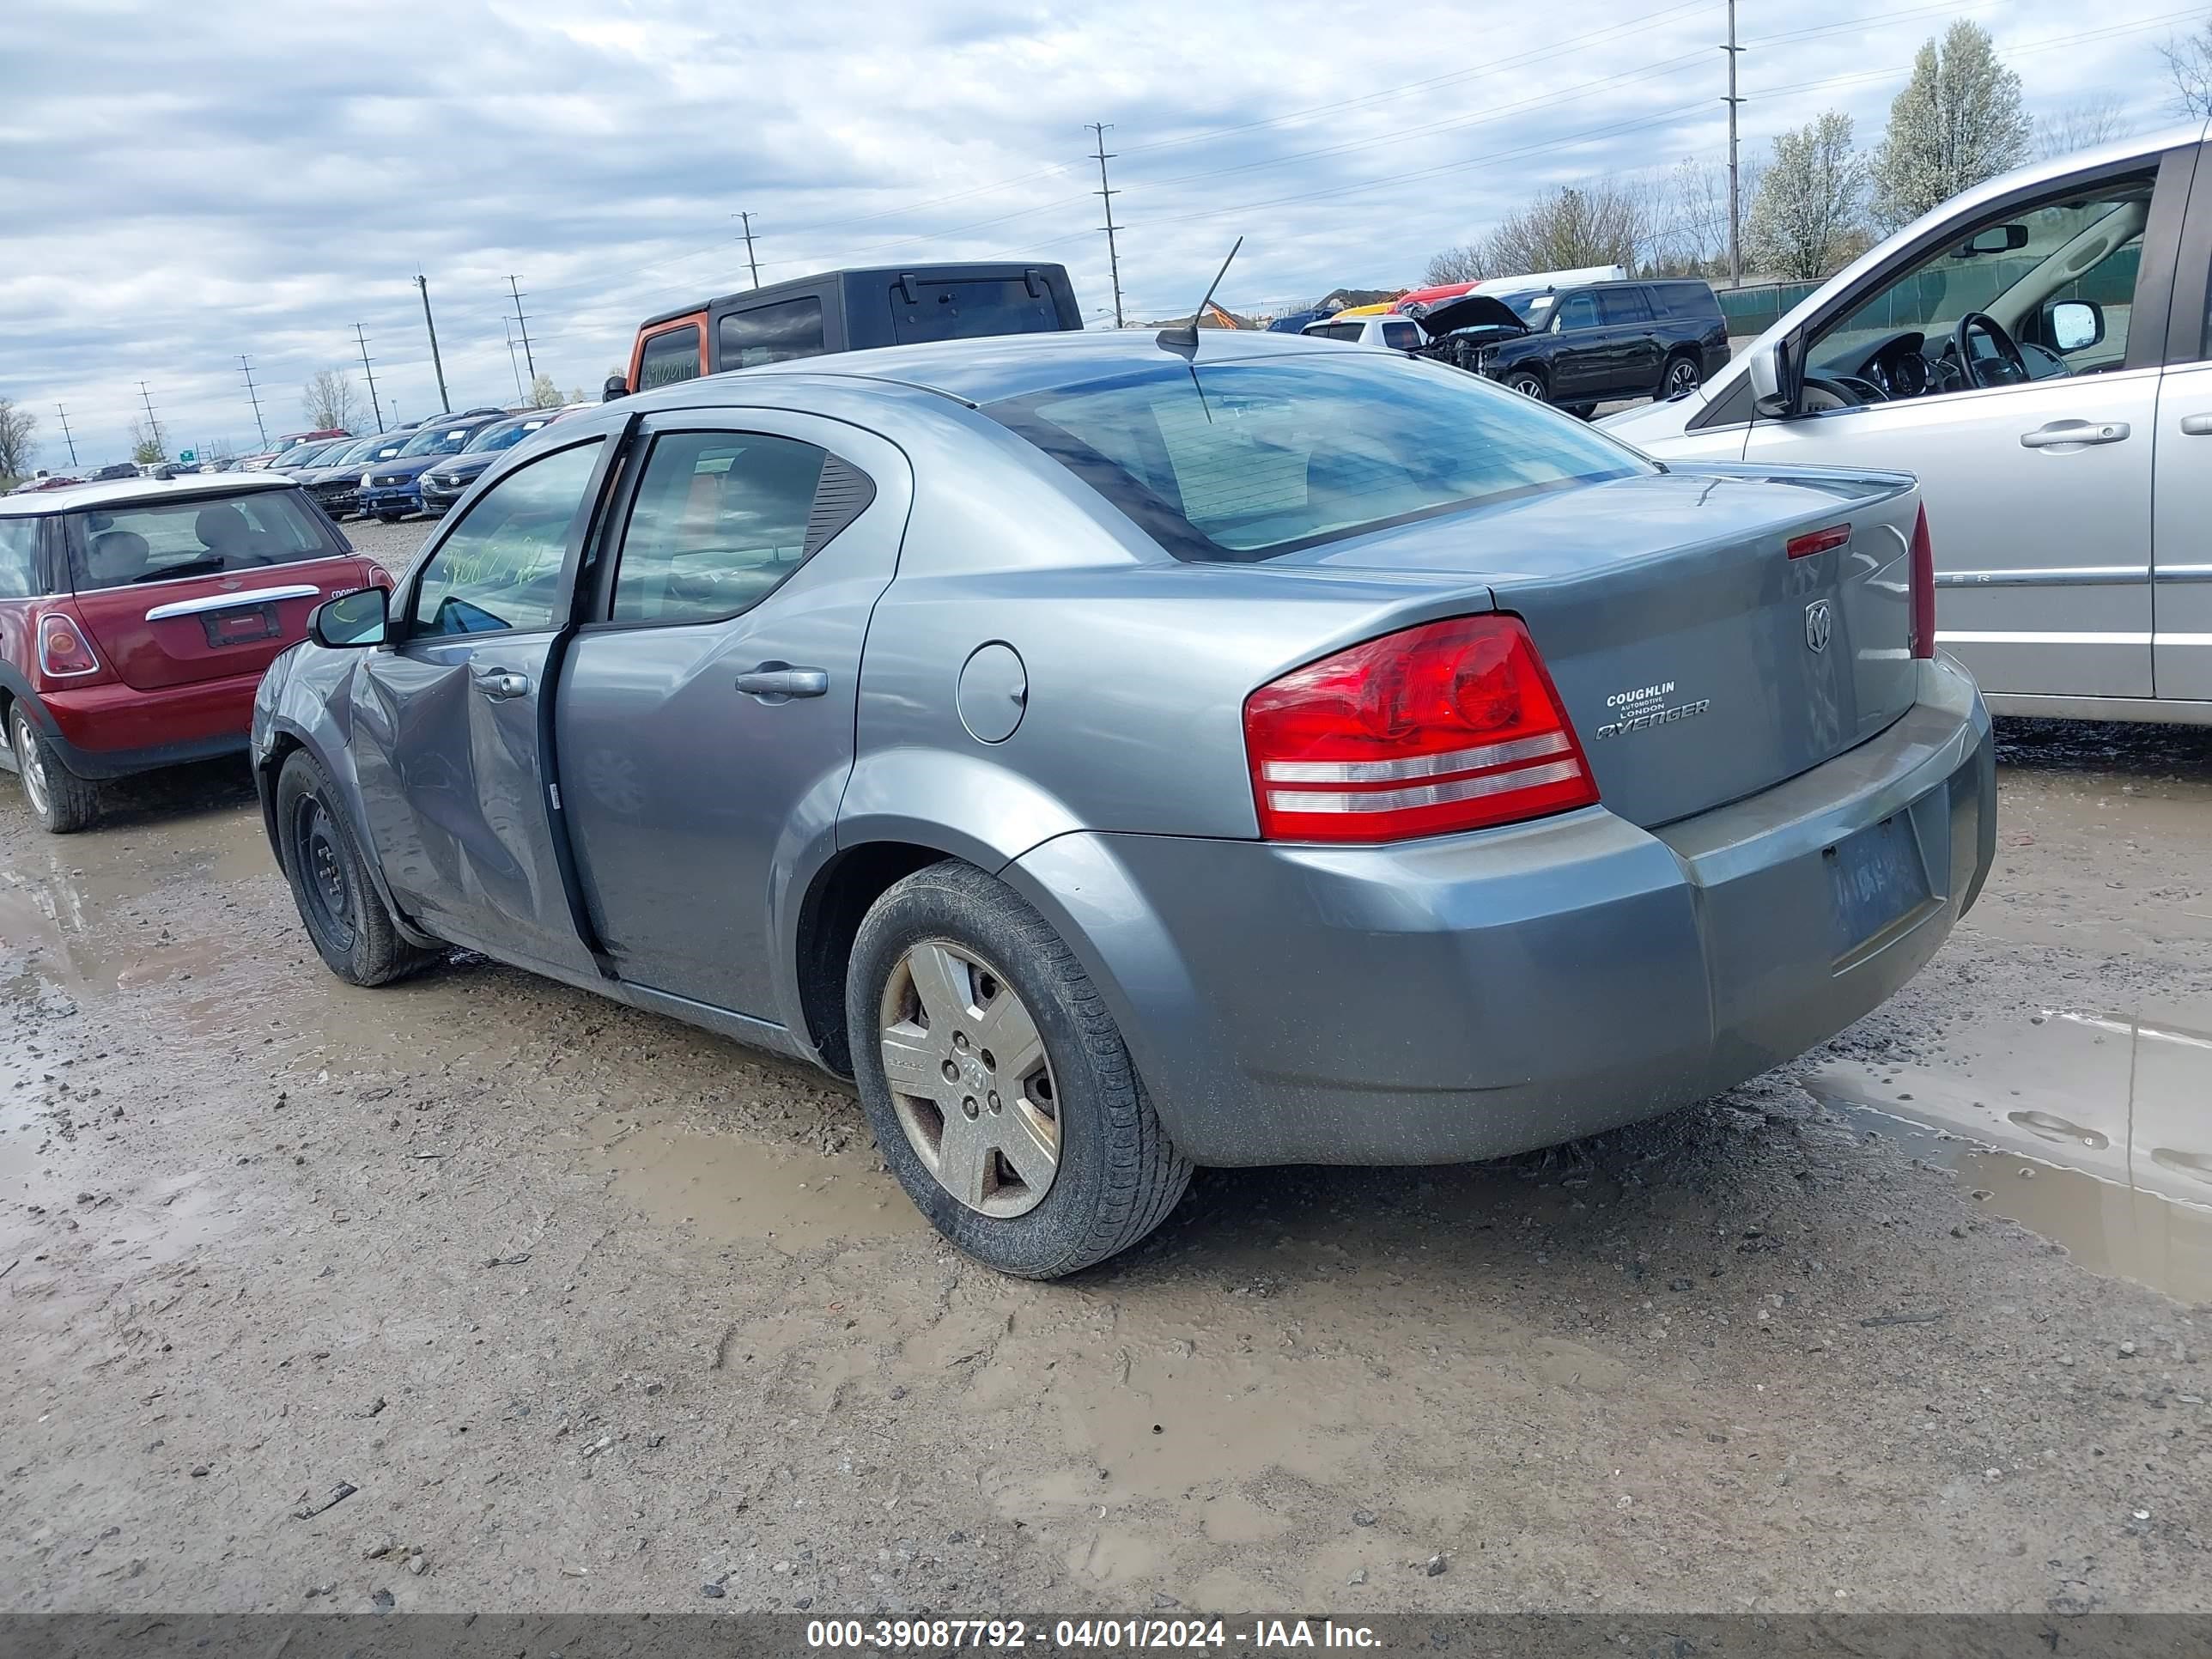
(938, 1634)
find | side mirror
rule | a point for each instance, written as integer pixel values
(616, 386)
(359, 618)
(1994, 239)
(1770, 394)
(2073, 325)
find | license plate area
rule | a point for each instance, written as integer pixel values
(240, 625)
(1880, 885)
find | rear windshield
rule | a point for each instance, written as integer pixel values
(116, 547)
(962, 311)
(1246, 460)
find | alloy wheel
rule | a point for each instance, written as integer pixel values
(1682, 377)
(970, 1080)
(1528, 385)
(32, 765)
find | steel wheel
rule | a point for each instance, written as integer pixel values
(970, 1080)
(1529, 386)
(325, 889)
(1682, 376)
(33, 765)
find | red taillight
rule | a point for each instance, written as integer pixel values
(1450, 727)
(1923, 589)
(62, 649)
(1819, 541)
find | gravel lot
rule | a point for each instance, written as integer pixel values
(595, 1311)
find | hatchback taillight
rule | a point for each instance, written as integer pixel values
(63, 650)
(1449, 726)
(1923, 588)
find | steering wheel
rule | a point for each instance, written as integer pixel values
(2008, 357)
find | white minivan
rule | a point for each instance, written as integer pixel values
(2038, 351)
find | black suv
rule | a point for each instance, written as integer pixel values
(1579, 347)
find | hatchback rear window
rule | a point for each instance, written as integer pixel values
(922, 310)
(1242, 461)
(116, 547)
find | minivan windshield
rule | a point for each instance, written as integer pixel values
(1247, 460)
(440, 440)
(117, 546)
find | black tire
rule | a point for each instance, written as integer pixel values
(344, 916)
(1527, 382)
(1681, 373)
(1581, 411)
(390, 518)
(63, 802)
(1117, 1176)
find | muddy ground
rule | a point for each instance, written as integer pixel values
(593, 1311)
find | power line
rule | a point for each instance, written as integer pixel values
(523, 323)
(445, 403)
(1106, 194)
(746, 219)
(1735, 160)
(253, 397)
(66, 436)
(375, 408)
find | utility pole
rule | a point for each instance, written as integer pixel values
(246, 368)
(152, 420)
(66, 438)
(1735, 168)
(522, 323)
(513, 362)
(375, 408)
(1107, 194)
(445, 403)
(746, 220)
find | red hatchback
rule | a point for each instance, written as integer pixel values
(136, 616)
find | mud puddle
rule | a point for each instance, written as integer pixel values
(2092, 1129)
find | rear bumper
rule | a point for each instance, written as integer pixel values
(1476, 995)
(112, 731)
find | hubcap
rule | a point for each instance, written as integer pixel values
(970, 1080)
(32, 765)
(328, 895)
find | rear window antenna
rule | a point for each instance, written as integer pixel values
(1183, 336)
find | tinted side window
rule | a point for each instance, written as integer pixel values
(1692, 299)
(720, 523)
(1401, 336)
(1578, 311)
(19, 558)
(962, 311)
(1624, 305)
(501, 568)
(771, 334)
(669, 357)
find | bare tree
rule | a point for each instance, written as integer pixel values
(330, 400)
(545, 391)
(1806, 220)
(146, 448)
(1959, 120)
(1462, 264)
(16, 425)
(1601, 222)
(2189, 65)
(2082, 126)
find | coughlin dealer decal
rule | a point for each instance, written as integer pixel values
(1644, 706)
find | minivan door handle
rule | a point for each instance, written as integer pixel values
(2197, 426)
(501, 684)
(2072, 434)
(779, 682)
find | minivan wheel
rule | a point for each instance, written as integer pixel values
(1681, 377)
(63, 802)
(998, 1085)
(345, 916)
(1527, 384)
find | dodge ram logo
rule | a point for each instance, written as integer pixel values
(1818, 625)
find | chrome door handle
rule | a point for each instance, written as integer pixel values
(2062, 434)
(2197, 426)
(499, 684)
(779, 682)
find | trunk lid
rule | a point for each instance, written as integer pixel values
(1699, 662)
(172, 633)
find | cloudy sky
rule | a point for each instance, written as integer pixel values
(183, 185)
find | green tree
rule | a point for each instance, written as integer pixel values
(1807, 218)
(1960, 120)
(146, 446)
